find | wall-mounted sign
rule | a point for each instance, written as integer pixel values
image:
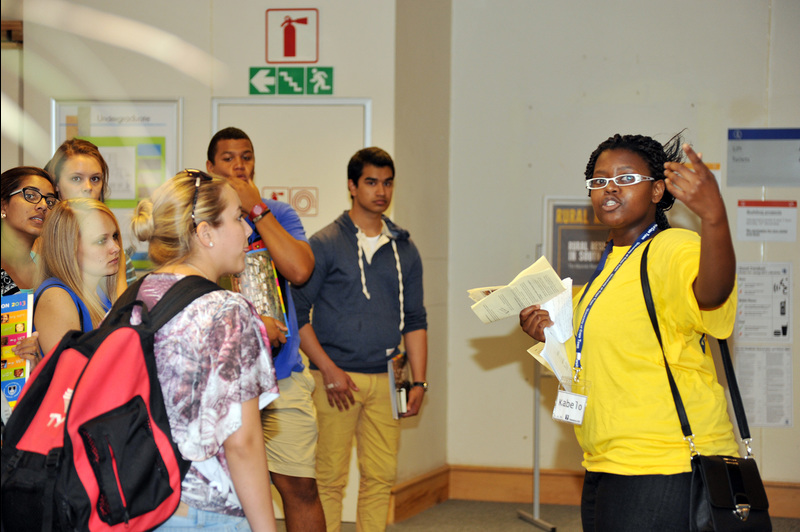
(140, 141)
(314, 80)
(764, 157)
(574, 237)
(764, 312)
(304, 200)
(767, 221)
(292, 35)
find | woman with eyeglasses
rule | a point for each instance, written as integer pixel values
(78, 264)
(213, 358)
(79, 171)
(27, 196)
(637, 462)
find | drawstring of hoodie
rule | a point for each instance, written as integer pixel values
(400, 283)
(399, 278)
(361, 268)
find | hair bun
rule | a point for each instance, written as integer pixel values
(142, 222)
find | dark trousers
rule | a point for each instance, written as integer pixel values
(621, 503)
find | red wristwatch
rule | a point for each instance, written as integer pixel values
(258, 212)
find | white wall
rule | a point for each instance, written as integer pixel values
(536, 87)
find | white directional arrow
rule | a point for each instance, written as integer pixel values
(263, 81)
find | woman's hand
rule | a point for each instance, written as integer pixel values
(29, 349)
(696, 187)
(533, 320)
(698, 190)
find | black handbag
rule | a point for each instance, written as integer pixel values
(727, 493)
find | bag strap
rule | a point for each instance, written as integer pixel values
(736, 398)
(651, 311)
(177, 298)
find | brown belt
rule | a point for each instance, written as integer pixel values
(183, 510)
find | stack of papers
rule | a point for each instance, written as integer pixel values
(537, 284)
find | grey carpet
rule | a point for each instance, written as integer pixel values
(474, 516)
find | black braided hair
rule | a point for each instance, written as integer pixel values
(654, 154)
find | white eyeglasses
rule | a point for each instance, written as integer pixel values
(623, 180)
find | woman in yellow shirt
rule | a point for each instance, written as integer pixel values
(637, 463)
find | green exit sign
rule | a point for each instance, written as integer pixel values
(308, 80)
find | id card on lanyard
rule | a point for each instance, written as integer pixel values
(572, 396)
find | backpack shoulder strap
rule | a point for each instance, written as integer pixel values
(83, 312)
(178, 297)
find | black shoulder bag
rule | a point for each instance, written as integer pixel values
(727, 492)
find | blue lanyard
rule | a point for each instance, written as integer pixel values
(648, 233)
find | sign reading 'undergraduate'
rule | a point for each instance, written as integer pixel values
(291, 80)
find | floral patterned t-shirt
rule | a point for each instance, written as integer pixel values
(211, 357)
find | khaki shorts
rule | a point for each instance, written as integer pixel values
(290, 427)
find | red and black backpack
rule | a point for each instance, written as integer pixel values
(88, 446)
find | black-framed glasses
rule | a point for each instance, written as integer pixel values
(199, 176)
(622, 180)
(34, 195)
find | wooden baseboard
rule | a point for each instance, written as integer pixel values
(419, 494)
(783, 497)
(557, 486)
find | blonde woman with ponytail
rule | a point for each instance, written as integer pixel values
(213, 358)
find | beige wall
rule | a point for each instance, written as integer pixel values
(422, 131)
(488, 107)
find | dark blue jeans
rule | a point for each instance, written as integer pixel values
(621, 503)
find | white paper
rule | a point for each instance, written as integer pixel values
(553, 352)
(536, 284)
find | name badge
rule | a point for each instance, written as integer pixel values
(570, 407)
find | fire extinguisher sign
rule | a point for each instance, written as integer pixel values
(292, 35)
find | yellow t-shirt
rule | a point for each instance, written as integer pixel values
(631, 426)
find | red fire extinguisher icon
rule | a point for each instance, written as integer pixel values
(290, 35)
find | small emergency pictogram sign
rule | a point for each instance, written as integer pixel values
(304, 200)
(292, 35)
(291, 80)
(319, 80)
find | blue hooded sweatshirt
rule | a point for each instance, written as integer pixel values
(362, 305)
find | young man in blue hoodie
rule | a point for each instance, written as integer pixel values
(366, 296)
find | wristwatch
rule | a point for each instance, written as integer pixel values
(421, 384)
(258, 212)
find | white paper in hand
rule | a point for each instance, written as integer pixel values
(554, 350)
